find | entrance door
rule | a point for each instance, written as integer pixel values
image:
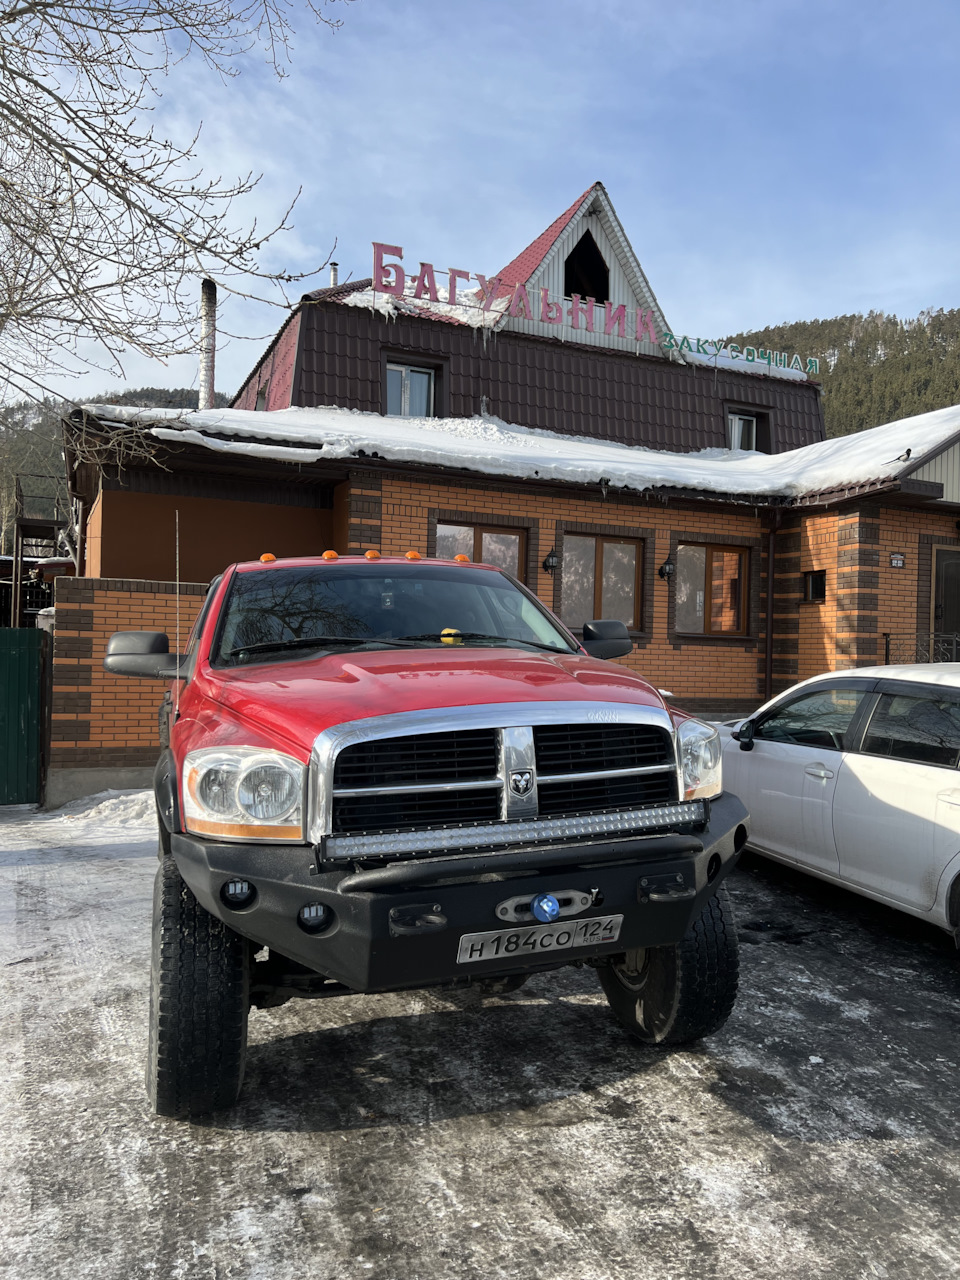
(21, 714)
(946, 592)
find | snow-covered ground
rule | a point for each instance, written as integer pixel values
(427, 1136)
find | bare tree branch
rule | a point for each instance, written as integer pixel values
(105, 226)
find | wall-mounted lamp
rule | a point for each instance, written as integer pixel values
(667, 570)
(551, 561)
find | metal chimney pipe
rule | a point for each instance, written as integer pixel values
(334, 276)
(208, 342)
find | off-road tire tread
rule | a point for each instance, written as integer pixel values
(704, 986)
(709, 972)
(199, 1000)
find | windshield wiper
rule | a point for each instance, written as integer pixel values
(319, 642)
(482, 635)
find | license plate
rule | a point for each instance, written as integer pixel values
(538, 940)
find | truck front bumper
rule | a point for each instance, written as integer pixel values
(399, 926)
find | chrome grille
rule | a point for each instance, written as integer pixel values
(419, 758)
(606, 794)
(485, 777)
(579, 748)
(410, 811)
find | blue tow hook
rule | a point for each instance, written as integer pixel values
(545, 907)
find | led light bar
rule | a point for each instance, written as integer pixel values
(446, 839)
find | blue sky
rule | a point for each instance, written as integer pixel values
(770, 160)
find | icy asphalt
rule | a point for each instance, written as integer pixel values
(424, 1136)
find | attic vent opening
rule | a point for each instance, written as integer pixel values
(585, 271)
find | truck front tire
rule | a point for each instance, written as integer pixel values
(677, 994)
(199, 1000)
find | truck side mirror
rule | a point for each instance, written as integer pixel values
(606, 638)
(142, 653)
(744, 735)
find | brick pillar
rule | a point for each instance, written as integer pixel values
(364, 512)
(787, 593)
(858, 583)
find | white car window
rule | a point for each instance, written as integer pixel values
(926, 730)
(819, 719)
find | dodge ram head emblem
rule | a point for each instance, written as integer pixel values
(521, 781)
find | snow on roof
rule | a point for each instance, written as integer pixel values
(496, 448)
(722, 359)
(468, 310)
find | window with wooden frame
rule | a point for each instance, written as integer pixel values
(711, 590)
(600, 579)
(484, 544)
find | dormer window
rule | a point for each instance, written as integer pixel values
(585, 272)
(748, 429)
(743, 431)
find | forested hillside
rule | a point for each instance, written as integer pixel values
(30, 440)
(875, 368)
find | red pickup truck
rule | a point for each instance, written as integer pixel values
(382, 773)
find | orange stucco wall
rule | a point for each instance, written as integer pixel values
(133, 535)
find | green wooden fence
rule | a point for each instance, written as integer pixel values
(21, 714)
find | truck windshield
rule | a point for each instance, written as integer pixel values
(282, 613)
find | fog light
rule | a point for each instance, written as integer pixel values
(237, 894)
(314, 917)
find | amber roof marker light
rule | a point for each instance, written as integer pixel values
(267, 558)
(413, 555)
(462, 559)
(330, 555)
(371, 555)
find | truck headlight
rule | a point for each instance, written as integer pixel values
(700, 760)
(243, 793)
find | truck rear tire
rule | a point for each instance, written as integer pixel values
(199, 1000)
(677, 994)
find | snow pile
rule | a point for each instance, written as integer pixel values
(468, 309)
(110, 808)
(493, 447)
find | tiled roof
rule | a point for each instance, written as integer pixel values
(525, 264)
(334, 293)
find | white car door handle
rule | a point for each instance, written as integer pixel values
(949, 797)
(818, 771)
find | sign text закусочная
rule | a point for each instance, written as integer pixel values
(585, 313)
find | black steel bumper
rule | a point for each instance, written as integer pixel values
(398, 926)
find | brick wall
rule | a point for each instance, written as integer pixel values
(102, 721)
(715, 673)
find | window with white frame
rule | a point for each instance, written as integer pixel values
(410, 391)
(742, 431)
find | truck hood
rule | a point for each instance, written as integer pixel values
(297, 699)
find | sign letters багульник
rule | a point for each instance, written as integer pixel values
(582, 314)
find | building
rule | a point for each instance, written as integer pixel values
(546, 419)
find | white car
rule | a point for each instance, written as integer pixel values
(853, 777)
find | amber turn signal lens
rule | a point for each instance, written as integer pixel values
(330, 555)
(372, 555)
(267, 558)
(462, 558)
(414, 555)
